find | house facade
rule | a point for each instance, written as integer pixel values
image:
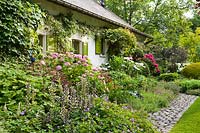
(90, 13)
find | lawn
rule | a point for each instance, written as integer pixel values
(190, 121)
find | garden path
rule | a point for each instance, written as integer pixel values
(166, 118)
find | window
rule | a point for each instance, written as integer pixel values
(85, 48)
(43, 43)
(100, 45)
(80, 47)
(76, 46)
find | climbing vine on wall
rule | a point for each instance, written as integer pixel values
(19, 20)
(62, 27)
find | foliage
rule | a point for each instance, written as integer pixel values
(18, 23)
(123, 81)
(35, 101)
(61, 27)
(192, 71)
(165, 18)
(121, 41)
(190, 41)
(137, 54)
(168, 76)
(193, 92)
(141, 93)
(40, 99)
(168, 56)
(189, 85)
(110, 117)
(189, 121)
(149, 102)
(172, 56)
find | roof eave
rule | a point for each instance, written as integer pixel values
(64, 3)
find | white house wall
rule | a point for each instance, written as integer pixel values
(96, 60)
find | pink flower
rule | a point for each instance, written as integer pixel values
(42, 63)
(156, 65)
(78, 56)
(85, 64)
(58, 68)
(94, 69)
(55, 55)
(83, 60)
(67, 64)
(62, 59)
(85, 57)
(84, 75)
(100, 77)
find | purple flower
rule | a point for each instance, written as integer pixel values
(23, 113)
(132, 120)
(58, 68)
(67, 64)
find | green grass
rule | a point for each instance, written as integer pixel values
(190, 121)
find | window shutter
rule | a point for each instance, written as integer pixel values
(98, 45)
(85, 48)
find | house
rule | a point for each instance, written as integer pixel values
(91, 13)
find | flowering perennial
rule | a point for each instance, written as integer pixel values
(152, 59)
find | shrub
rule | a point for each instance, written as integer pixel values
(193, 92)
(149, 58)
(192, 71)
(123, 81)
(189, 85)
(168, 76)
(121, 41)
(110, 117)
(150, 102)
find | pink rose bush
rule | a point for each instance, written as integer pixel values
(151, 58)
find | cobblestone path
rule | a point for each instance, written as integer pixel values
(166, 118)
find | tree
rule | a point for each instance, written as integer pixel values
(165, 17)
(191, 41)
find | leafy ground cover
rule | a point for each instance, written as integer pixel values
(189, 122)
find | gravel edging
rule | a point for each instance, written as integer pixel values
(166, 118)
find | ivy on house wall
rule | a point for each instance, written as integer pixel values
(62, 27)
(19, 20)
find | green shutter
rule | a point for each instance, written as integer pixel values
(98, 47)
(85, 48)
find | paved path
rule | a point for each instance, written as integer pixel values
(166, 118)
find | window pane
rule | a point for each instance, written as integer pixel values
(76, 46)
(85, 48)
(98, 45)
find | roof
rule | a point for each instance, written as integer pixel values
(92, 8)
